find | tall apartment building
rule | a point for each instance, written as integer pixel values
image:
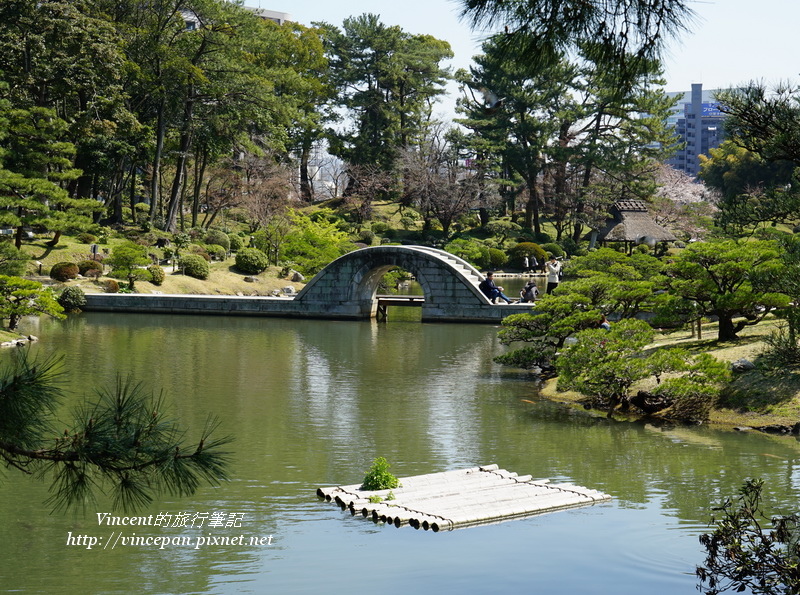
(698, 126)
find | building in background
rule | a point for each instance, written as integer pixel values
(270, 15)
(698, 126)
(193, 22)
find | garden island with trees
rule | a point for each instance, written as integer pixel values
(139, 153)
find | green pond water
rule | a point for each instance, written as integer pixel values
(312, 403)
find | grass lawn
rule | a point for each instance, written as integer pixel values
(223, 278)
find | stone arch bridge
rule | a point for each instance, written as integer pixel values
(345, 289)
(348, 286)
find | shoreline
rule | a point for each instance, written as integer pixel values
(781, 413)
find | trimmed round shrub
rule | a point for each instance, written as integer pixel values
(85, 266)
(367, 236)
(497, 258)
(157, 274)
(380, 227)
(194, 265)
(110, 286)
(138, 275)
(251, 261)
(72, 299)
(220, 238)
(64, 271)
(554, 249)
(217, 252)
(236, 242)
(86, 238)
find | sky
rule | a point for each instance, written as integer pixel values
(731, 42)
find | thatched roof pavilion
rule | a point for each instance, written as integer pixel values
(631, 224)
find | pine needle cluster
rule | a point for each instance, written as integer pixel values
(122, 443)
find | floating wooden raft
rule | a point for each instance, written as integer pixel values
(455, 499)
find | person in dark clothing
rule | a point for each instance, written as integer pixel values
(529, 293)
(492, 291)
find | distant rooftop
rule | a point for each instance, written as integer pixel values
(271, 15)
(631, 205)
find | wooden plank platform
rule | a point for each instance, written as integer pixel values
(400, 300)
(386, 300)
(461, 498)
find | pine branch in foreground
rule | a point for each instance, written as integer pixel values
(122, 444)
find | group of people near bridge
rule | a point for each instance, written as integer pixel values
(527, 294)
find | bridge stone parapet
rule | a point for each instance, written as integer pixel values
(345, 289)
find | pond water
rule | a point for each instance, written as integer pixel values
(312, 403)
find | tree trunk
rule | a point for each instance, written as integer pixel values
(587, 178)
(155, 181)
(117, 190)
(532, 209)
(727, 330)
(55, 240)
(180, 165)
(199, 173)
(83, 185)
(132, 195)
(306, 190)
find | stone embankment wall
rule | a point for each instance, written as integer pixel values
(345, 289)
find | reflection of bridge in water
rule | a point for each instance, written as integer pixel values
(346, 289)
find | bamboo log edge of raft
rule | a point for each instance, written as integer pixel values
(460, 498)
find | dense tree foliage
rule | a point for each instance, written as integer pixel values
(752, 190)
(784, 344)
(23, 297)
(717, 278)
(387, 80)
(576, 138)
(764, 121)
(313, 242)
(515, 113)
(603, 283)
(126, 258)
(35, 167)
(605, 364)
(147, 97)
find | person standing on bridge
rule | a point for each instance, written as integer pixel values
(492, 291)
